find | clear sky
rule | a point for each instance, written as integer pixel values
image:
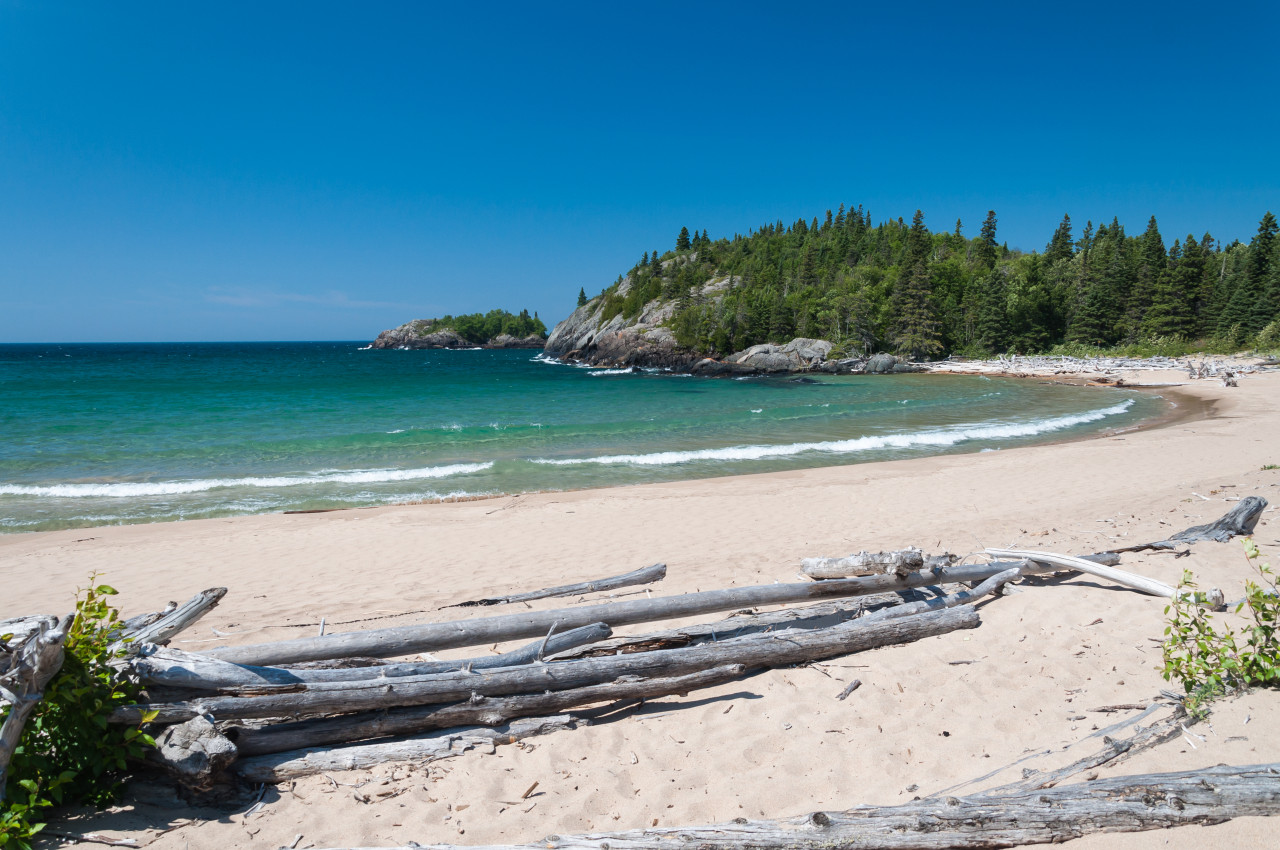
(267, 170)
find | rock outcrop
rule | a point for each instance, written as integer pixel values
(422, 333)
(646, 342)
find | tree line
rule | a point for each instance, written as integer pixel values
(897, 286)
(482, 327)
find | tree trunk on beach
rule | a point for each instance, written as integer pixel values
(1120, 804)
(646, 575)
(480, 711)
(403, 640)
(767, 650)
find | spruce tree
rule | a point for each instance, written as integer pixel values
(682, 241)
(916, 334)
(985, 252)
(1060, 246)
(582, 297)
(1250, 306)
(993, 316)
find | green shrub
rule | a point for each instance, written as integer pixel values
(1210, 663)
(69, 753)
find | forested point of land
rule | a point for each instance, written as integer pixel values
(482, 327)
(899, 287)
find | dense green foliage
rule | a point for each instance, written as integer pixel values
(69, 753)
(482, 327)
(900, 287)
(1208, 662)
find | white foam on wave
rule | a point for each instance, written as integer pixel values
(941, 438)
(200, 485)
(611, 372)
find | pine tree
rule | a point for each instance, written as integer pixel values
(985, 252)
(917, 245)
(993, 316)
(682, 241)
(582, 297)
(1060, 246)
(839, 222)
(916, 334)
(644, 261)
(1250, 306)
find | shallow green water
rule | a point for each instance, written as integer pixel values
(100, 434)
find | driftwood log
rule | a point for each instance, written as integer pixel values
(281, 767)
(23, 678)
(767, 650)
(153, 629)
(963, 597)
(900, 563)
(1120, 804)
(1069, 562)
(645, 575)
(403, 640)
(481, 711)
(1237, 522)
(176, 668)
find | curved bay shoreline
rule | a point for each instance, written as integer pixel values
(1037, 665)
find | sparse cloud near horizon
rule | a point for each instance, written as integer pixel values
(259, 298)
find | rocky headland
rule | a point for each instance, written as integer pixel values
(427, 333)
(645, 341)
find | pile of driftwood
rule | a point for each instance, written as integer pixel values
(272, 712)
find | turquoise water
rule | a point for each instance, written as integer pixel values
(104, 434)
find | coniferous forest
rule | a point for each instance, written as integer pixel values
(900, 287)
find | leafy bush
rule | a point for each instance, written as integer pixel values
(69, 753)
(1209, 662)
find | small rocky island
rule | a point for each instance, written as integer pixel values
(495, 329)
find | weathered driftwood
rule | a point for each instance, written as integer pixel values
(280, 767)
(403, 640)
(739, 624)
(1239, 521)
(768, 650)
(480, 711)
(26, 673)
(874, 563)
(194, 752)
(645, 575)
(162, 629)
(962, 597)
(1133, 580)
(175, 668)
(1119, 804)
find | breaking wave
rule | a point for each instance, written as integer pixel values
(200, 485)
(940, 438)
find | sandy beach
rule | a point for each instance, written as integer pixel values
(771, 745)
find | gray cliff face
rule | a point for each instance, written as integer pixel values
(646, 342)
(420, 333)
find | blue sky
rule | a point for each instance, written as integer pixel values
(281, 171)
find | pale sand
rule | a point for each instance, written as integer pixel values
(771, 745)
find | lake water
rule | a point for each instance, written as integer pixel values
(120, 433)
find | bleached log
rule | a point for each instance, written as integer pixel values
(819, 616)
(480, 711)
(768, 650)
(175, 668)
(963, 597)
(875, 563)
(1131, 580)
(645, 575)
(1239, 521)
(161, 630)
(23, 679)
(280, 767)
(428, 637)
(1116, 804)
